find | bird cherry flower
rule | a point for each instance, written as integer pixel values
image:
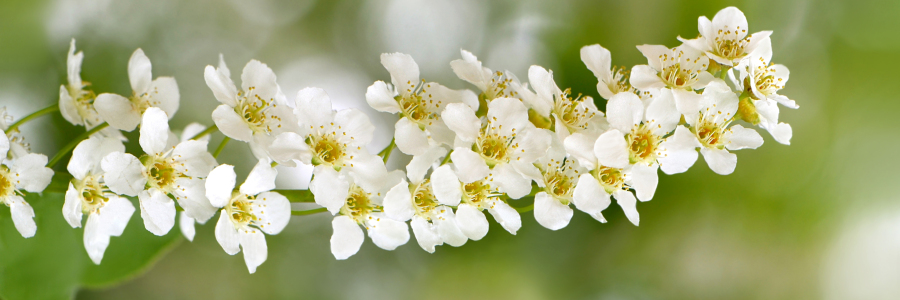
(26, 172)
(471, 199)
(363, 207)
(75, 103)
(710, 126)
(556, 176)
(433, 222)
(248, 212)
(419, 104)
(185, 222)
(162, 172)
(762, 80)
(257, 113)
(125, 113)
(681, 67)
(108, 214)
(594, 187)
(612, 80)
(558, 109)
(492, 84)
(725, 39)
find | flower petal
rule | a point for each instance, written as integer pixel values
(507, 216)
(191, 196)
(447, 227)
(420, 164)
(164, 94)
(550, 213)
(219, 185)
(255, 249)
(139, 72)
(381, 98)
(410, 138)
(30, 172)
(738, 137)
(678, 152)
(386, 233)
(469, 165)
(404, 71)
(329, 188)
(186, 224)
(154, 131)
(462, 121)
(590, 197)
(511, 182)
(123, 173)
(273, 211)
(158, 211)
(398, 202)
(221, 85)
(227, 235)
(719, 160)
(313, 107)
(471, 221)
(581, 146)
(644, 180)
(231, 124)
(72, 207)
(290, 146)
(644, 78)
(426, 234)
(356, 124)
(662, 113)
(611, 149)
(260, 179)
(115, 215)
(257, 79)
(95, 238)
(22, 215)
(629, 205)
(446, 186)
(624, 111)
(117, 111)
(346, 239)
(598, 60)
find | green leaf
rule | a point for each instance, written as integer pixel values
(54, 265)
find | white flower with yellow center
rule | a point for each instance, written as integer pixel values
(567, 114)
(247, 212)
(26, 172)
(593, 189)
(433, 222)
(710, 126)
(363, 207)
(125, 113)
(725, 39)
(161, 173)
(763, 80)
(75, 103)
(500, 145)
(471, 198)
(612, 80)
(257, 113)
(556, 175)
(108, 214)
(492, 84)
(419, 104)
(681, 68)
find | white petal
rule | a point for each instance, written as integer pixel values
(158, 211)
(30, 172)
(255, 249)
(84, 158)
(644, 78)
(404, 70)
(462, 120)
(426, 234)
(662, 113)
(117, 111)
(191, 195)
(545, 88)
(227, 235)
(581, 146)
(471, 70)
(231, 124)
(346, 239)
(469, 165)
(420, 164)
(72, 207)
(386, 233)
(611, 149)
(260, 179)
(290, 146)
(193, 159)
(679, 151)
(507, 216)
(164, 93)
(719, 160)
(550, 213)
(73, 64)
(273, 211)
(446, 186)
(598, 60)
(219, 184)
(95, 239)
(186, 224)
(221, 85)
(115, 215)
(356, 124)
(329, 187)
(654, 53)
(688, 104)
(139, 72)
(590, 197)
(629, 205)
(313, 107)
(731, 18)
(398, 202)
(471, 221)
(4, 144)
(533, 144)
(257, 79)
(781, 132)
(738, 137)
(624, 111)
(154, 131)
(447, 228)
(511, 182)
(22, 215)
(381, 98)
(123, 173)
(508, 115)
(644, 181)
(410, 138)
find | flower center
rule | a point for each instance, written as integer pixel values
(642, 144)
(560, 185)
(727, 44)
(7, 184)
(611, 179)
(253, 109)
(92, 193)
(415, 106)
(619, 82)
(241, 209)
(674, 75)
(327, 150)
(143, 101)
(499, 87)
(765, 80)
(161, 173)
(567, 110)
(709, 133)
(478, 192)
(494, 147)
(358, 205)
(424, 199)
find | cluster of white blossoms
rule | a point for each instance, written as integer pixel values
(471, 151)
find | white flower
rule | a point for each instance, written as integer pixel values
(185, 222)
(333, 142)
(108, 214)
(593, 189)
(612, 80)
(75, 103)
(362, 207)
(433, 222)
(725, 38)
(556, 175)
(492, 84)
(681, 67)
(125, 113)
(419, 103)
(764, 80)
(500, 145)
(248, 212)
(26, 172)
(472, 198)
(177, 171)
(256, 113)
(710, 123)
(567, 115)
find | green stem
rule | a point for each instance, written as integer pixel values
(49, 109)
(386, 153)
(447, 158)
(724, 72)
(297, 196)
(308, 212)
(71, 145)
(206, 131)
(221, 146)
(528, 208)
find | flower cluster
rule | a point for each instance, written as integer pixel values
(471, 152)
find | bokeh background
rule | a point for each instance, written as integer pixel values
(819, 219)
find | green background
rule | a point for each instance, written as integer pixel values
(815, 220)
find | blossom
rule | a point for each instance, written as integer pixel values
(763, 80)
(26, 172)
(433, 222)
(419, 103)
(710, 126)
(593, 188)
(564, 114)
(75, 103)
(257, 113)
(556, 175)
(185, 222)
(472, 198)
(612, 80)
(492, 84)
(108, 214)
(363, 207)
(247, 212)
(497, 146)
(162, 172)
(681, 67)
(125, 113)
(725, 38)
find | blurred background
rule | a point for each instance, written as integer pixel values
(819, 219)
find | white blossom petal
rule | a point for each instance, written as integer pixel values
(273, 211)
(581, 146)
(158, 211)
(186, 224)
(738, 137)
(22, 215)
(386, 233)
(550, 213)
(164, 93)
(410, 139)
(462, 121)
(679, 151)
(115, 215)
(446, 186)
(426, 234)
(260, 179)
(95, 238)
(719, 160)
(381, 98)
(447, 227)
(139, 72)
(154, 131)
(471, 221)
(624, 111)
(117, 111)
(644, 78)
(626, 200)
(611, 149)
(227, 235)
(72, 207)
(30, 172)
(420, 164)
(221, 85)
(219, 184)
(256, 251)
(511, 182)
(644, 180)
(398, 203)
(329, 187)
(590, 197)
(346, 238)
(404, 71)
(507, 216)
(123, 173)
(257, 79)
(231, 124)
(469, 165)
